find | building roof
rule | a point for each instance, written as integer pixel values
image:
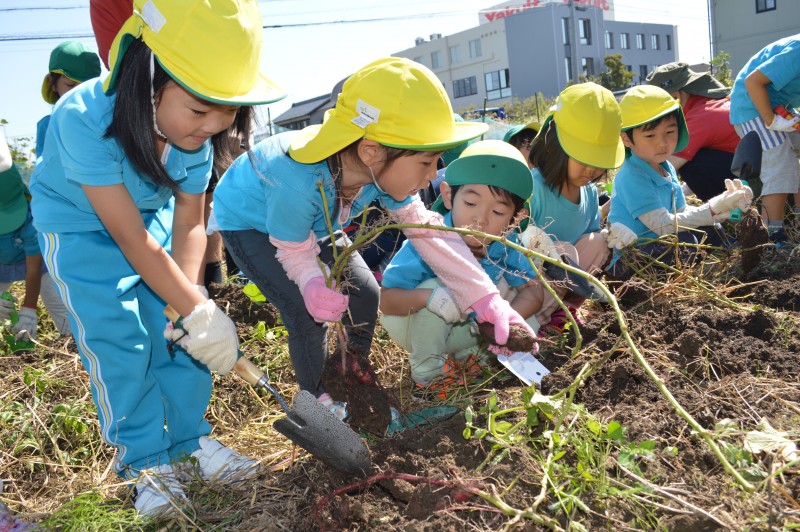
(303, 109)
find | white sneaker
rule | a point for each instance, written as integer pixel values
(217, 462)
(157, 491)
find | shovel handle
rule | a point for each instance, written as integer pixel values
(248, 371)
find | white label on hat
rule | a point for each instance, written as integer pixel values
(153, 17)
(367, 114)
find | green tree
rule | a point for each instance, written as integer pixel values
(532, 108)
(721, 69)
(615, 76)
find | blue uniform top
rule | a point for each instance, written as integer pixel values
(20, 243)
(780, 62)
(41, 131)
(638, 189)
(268, 191)
(561, 218)
(407, 269)
(78, 153)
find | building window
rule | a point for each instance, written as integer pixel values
(474, 48)
(568, 67)
(564, 31)
(629, 68)
(298, 125)
(418, 59)
(624, 41)
(640, 41)
(609, 40)
(654, 42)
(455, 54)
(643, 73)
(497, 84)
(465, 87)
(436, 60)
(584, 31)
(668, 38)
(765, 5)
(587, 66)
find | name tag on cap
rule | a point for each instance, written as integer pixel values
(367, 114)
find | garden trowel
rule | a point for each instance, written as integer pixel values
(308, 423)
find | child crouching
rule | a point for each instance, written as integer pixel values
(485, 190)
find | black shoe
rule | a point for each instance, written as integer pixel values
(779, 237)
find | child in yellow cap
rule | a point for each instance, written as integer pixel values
(71, 63)
(382, 140)
(485, 189)
(576, 146)
(118, 202)
(647, 200)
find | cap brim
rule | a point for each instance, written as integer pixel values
(48, 93)
(265, 91)
(318, 142)
(599, 156)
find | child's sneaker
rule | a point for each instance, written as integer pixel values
(337, 408)
(558, 321)
(219, 463)
(779, 237)
(157, 492)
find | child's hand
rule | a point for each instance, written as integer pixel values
(618, 235)
(736, 195)
(25, 328)
(780, 123)
(441, 303)
(210, 337)
(496, 310)
(537, 240)
(323, 303)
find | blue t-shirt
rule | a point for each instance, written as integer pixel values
(407, 269)
(780, 62)
(638, 189)
(76, 153)
(558, 216)
(268, 191)
(41, 131)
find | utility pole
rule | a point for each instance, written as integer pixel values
(573, 37)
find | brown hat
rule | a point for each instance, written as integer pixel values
(677, 76)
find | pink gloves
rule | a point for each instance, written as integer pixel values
(323, 303)
(495, 309)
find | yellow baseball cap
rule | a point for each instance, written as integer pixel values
(393, 101)
(212, 49)
(489, 162)
(588, 123)
(71, 59)
(645, 103)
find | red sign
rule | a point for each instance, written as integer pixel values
(491, 16)
(596, 3)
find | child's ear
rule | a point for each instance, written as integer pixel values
(447, 195)
(370, 152)
(626, 139)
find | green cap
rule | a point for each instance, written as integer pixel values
(73, 60)
(535, 126)
(13, 203)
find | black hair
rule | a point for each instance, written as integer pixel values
(132, 123)
(649, 126)
(515, 200)
(525, 136)
(551, 160)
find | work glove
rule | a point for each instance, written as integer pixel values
(736, 195)
(441, 303)
(170, 332)
(537, 240)
(209, 336)
(496, 310)
(323, 303)
(7, 308)
(25, 328)
(785, 125)
(618, 235)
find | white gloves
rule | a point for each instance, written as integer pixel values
(537, 240)
(7, 308)
(619, 235)
(210, 337)
(441, 303)
(780, 123)
(25, 328)
(736, 195)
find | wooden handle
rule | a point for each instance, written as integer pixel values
(244, 368)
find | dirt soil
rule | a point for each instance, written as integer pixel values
(720, 363)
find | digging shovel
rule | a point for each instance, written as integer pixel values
(746, 164)
(308, 423)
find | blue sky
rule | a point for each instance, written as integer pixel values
(307, 60)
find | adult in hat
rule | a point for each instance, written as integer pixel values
(705, 162)
(118, 202)
(278, 208)
(71, 63)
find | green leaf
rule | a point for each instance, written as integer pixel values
(614, 431)
(252, 291)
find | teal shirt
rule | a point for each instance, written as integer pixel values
(558, 216)
(268, 191)
(76, 153)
